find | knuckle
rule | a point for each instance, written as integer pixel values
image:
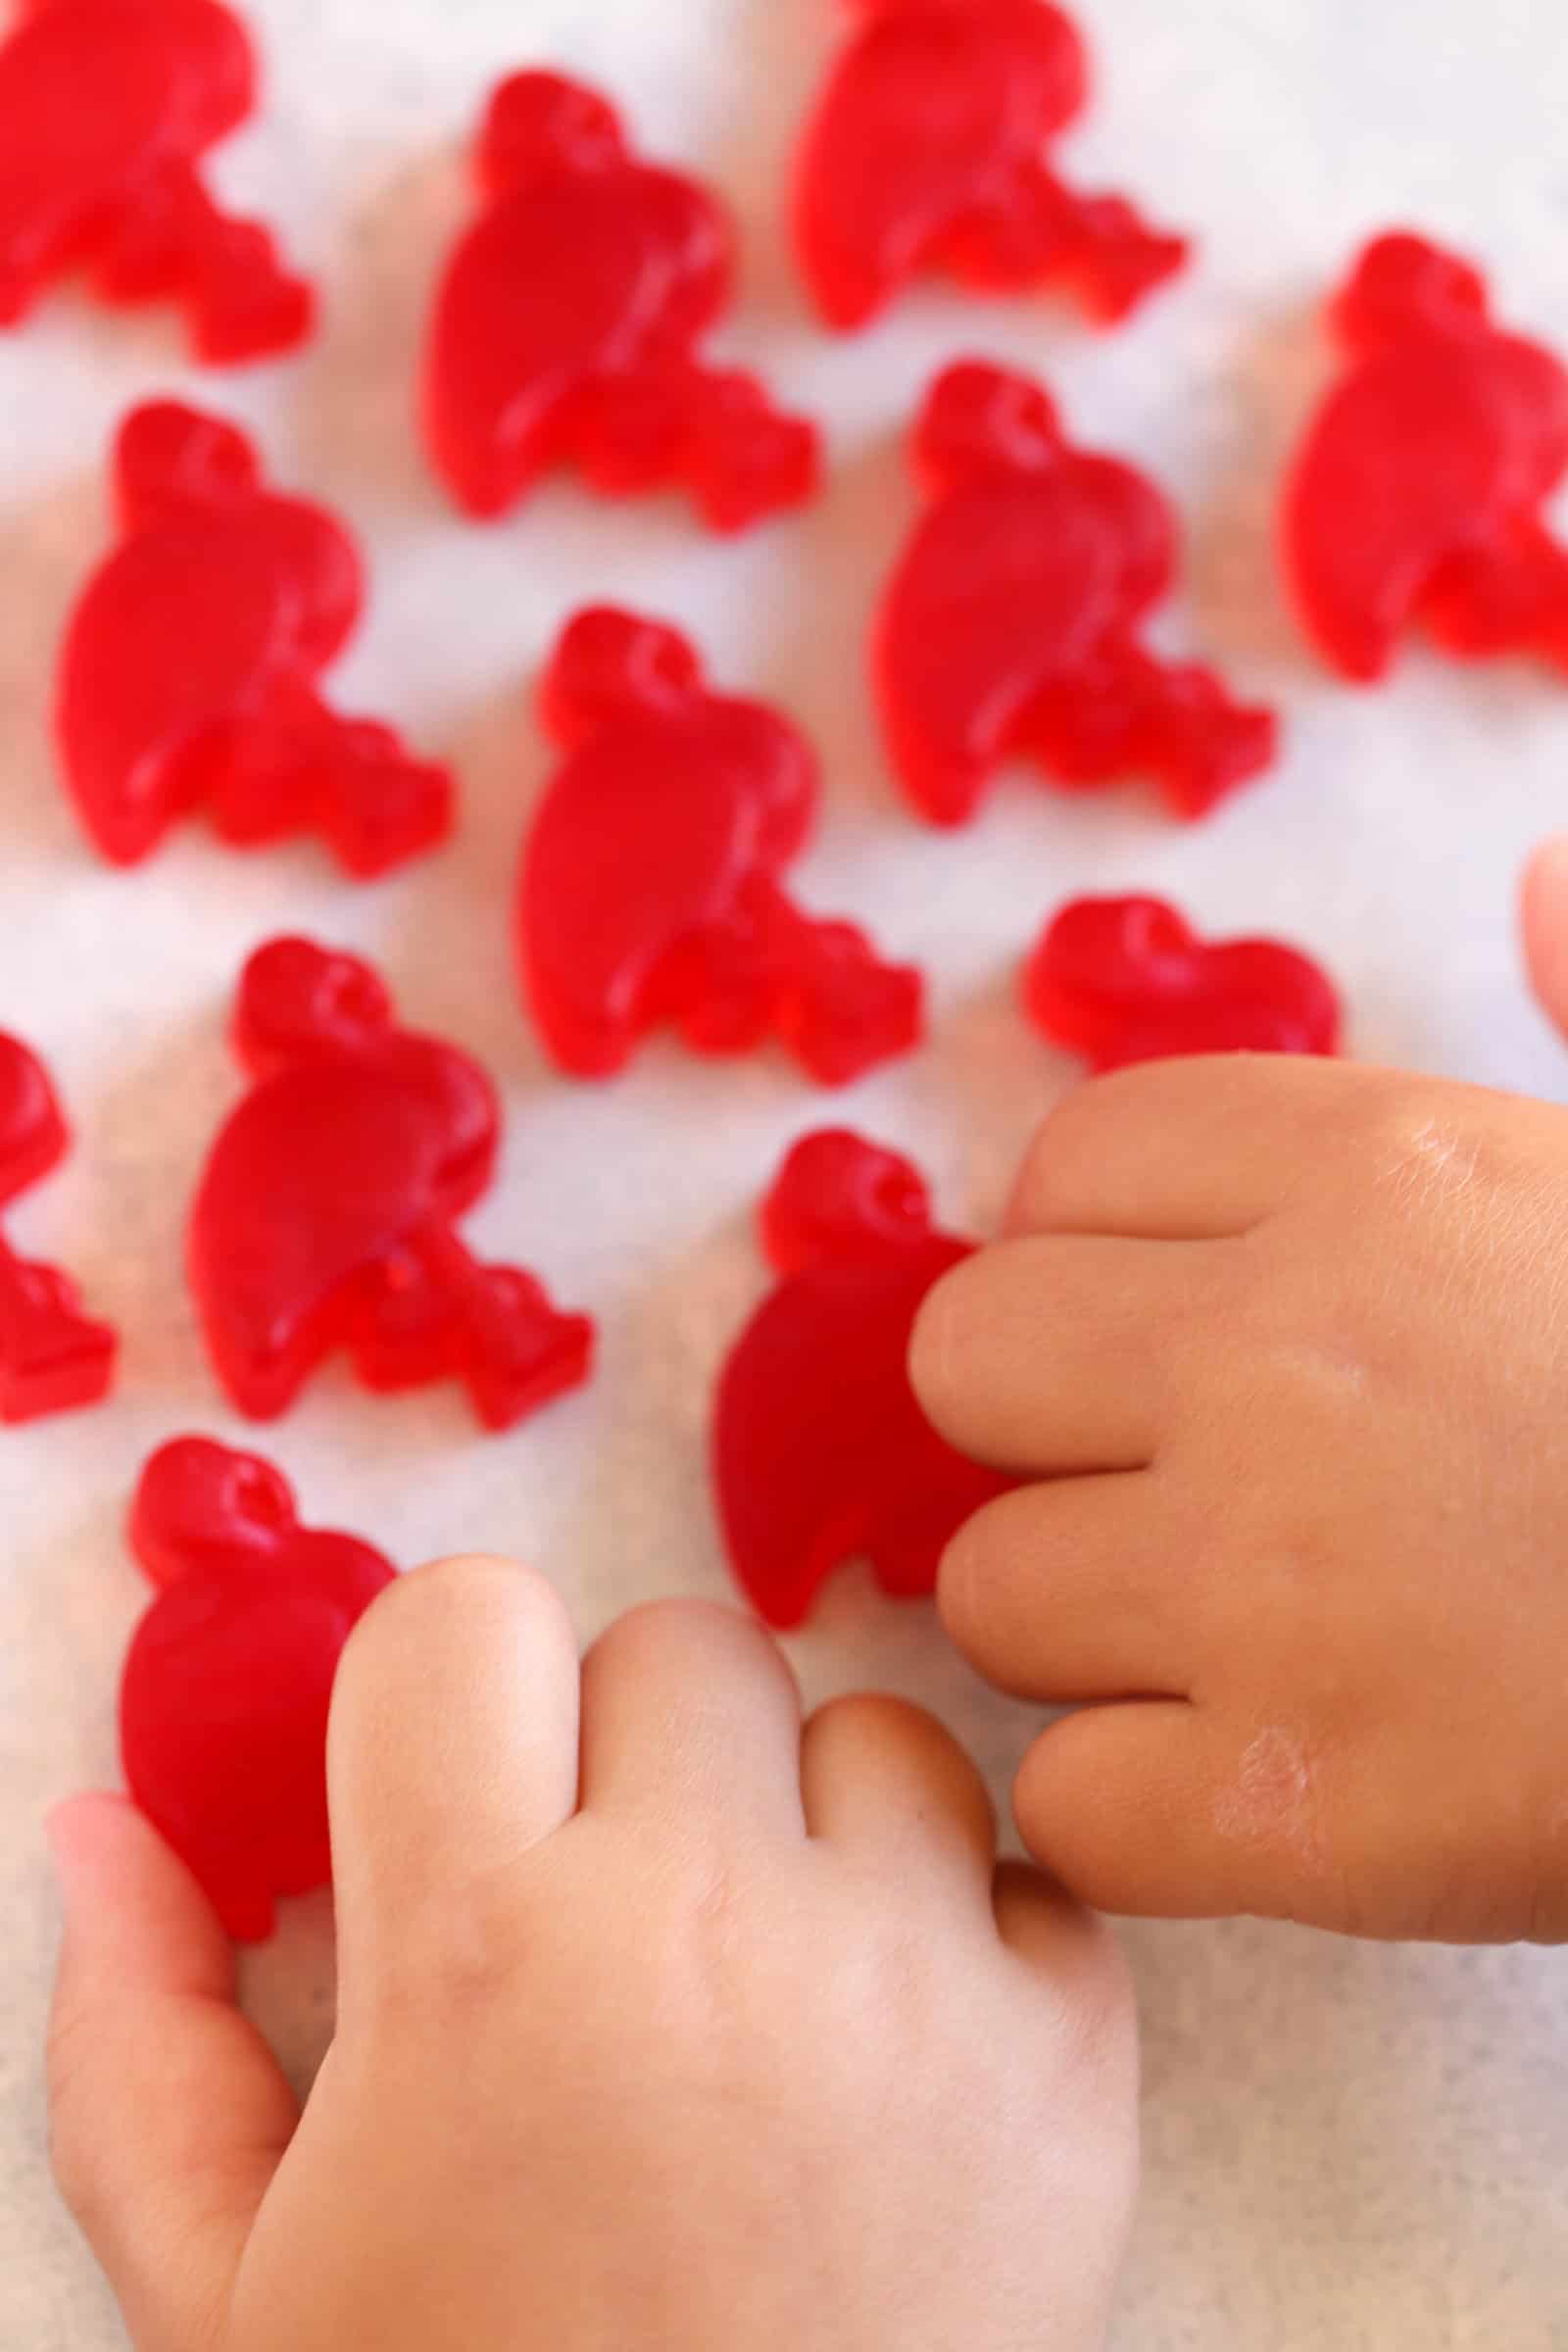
(459, 1964)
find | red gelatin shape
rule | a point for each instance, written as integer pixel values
(224, 1697)
(652, 889)
(569, 327)
(1011, 625)
(928, 151)
(106, 109)
(1416, 500)
(1010, 628)
(821, 1453)
(1125, 980)
(327, 1215)
(190, 671)
(52, 1358)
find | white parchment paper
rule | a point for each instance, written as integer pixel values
(1355, 2149)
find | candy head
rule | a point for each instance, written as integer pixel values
(32, 1127)
(220, 97)
(169, 456)
(301, 1002)
(201, 1506)
(1401, 286)
(541, 122)
(610, 664)
(1122, 949)
(840, 1199)
(979, 420)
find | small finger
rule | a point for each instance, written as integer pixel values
(1158, 1811)
(1054, 1354)
(888, 1783)
(452, 1754)
(691, 1717)
(1078, 1589)
(1546, 927)
(169, 2115)
(1195, 1148)
(1053, 1935)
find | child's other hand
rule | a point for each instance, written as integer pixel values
(1545, 911)
(659, 2025)
(1285, 1343)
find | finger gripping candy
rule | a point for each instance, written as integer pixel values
(928, 151)
(52, 1358)
(569, 325)
(1011, 626)
(106, 108)
(1125, 980)
(190, 675)
(821, 1453)
(327, 1215)
(228, 1679)
(652, 889)
(1417, 497)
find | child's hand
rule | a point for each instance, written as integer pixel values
(1286, 1343)
(659, 2025)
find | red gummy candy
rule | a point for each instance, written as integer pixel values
(327, 1216)
(820, 1453)
(1124, 980)
(570, 326)
(652, 886)
(106, 108)
(1417, 495)
(928, 151)
(50, 1357)
(189, 673)
(1010, 625)
(224, 1699)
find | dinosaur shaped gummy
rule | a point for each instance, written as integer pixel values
(928, 149)
(651, 887)
(569, 323)
(1011, 626)
(1124, 980)
(327, 1215)
(106, 108)
(52, 1359)
(224, 1696)
(188, 677)
(1417, 495)
(820, 1453)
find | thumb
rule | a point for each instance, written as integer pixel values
(169, 2115)
(1546, 922)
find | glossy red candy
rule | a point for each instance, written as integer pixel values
(1124, 980)
(652, 889)
(1418, 495)
(1011, 626)
(52, 1359)
(928, 151)
(189, 675)
(106, 108)
(327, 1215)
(569, 327)
(224, 1698)
(821, 1453)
